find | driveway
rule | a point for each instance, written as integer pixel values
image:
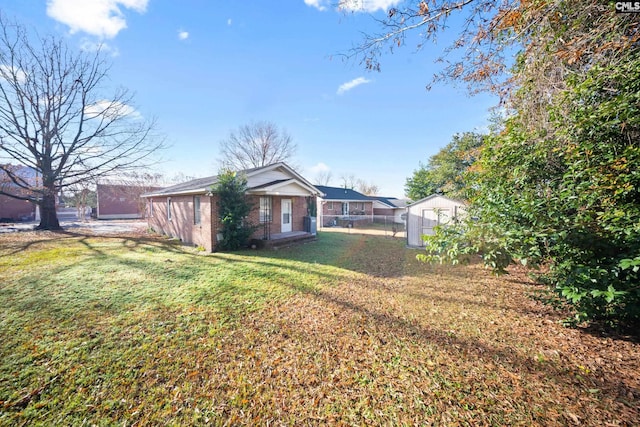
(91, 225)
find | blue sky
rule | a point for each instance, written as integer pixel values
(203, 67)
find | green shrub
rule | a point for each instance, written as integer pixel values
(233, 210)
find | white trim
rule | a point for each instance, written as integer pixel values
(282, 212)
(180, 193)
(295, 174)
(197, 211)
(274, 187)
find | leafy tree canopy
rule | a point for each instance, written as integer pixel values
(558, 185)
(445, 172)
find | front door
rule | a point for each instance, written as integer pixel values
(286, 215)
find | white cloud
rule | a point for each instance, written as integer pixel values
(229, 22)
(11, 74)
(350, 85)
(320, 167)
(102, 18)
(111, 110)
(367, 5)
(354, 5)
(93, 46)
(318, 4)
(183, 35)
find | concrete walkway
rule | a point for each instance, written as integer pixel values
(91, 225)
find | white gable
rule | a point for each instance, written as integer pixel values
(268, 176)
(288, 188)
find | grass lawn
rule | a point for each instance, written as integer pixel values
(349, 330)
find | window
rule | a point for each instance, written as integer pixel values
(169, 208)
(196, 210)
(330, 206)
(150, 208)
(265, 209)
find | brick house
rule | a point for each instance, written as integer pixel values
(121, 201)
(340, 205)
(390, 208)
(13, 208)
(188, 211)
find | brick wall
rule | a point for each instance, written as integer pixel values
(121, 201)
(384, 211)
(299, 210)
(181, 225)
(16, 210)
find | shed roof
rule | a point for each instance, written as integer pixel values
(434, 195)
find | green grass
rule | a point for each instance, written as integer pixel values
(128, 330)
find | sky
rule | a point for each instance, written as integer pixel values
(202, 68)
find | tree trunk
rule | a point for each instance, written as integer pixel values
(48, 214)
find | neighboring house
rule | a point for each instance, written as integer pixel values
(425, 214)
(11, 208)
(390, 207)
(121, 201)
(188, 211)
(341, 206)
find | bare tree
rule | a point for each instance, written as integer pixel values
(82, 196)
(349, 181)
(366, 188)
(256, 144)
(177, 178)
(324, 178)
(55, 121)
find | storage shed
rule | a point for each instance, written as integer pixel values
(425, 214)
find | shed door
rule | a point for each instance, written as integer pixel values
(433, 217)
(286, 216)
(429, 220)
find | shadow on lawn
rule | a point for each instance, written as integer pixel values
(19, 242)
(462, 348)
(376, 256)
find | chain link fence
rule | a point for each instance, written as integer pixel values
(385, 225)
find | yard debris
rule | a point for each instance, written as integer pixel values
(347, 330)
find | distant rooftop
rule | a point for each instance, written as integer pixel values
(341, 193)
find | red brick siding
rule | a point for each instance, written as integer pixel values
(121, 201)
(299, 211)
(182, 225)
(16, 210)
(384, 211)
